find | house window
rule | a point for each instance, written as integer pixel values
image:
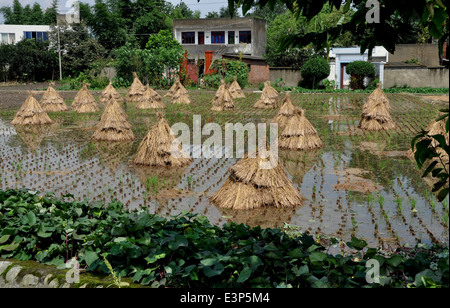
(4, 38)
(187, 37)
(201, 38)
(230, 37)
(245, 37)
(218, 37)
(37, 35)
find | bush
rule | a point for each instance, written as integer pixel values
(95, 82)
(314, 71)
(227, 69)
(188, 251)
(358, 70)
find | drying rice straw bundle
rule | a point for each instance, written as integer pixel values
(376, 112)
(181, 96)
(249, 186)
(285, 112)
(299, 133)
(108, 92)
(161, 148)
(235, 89)
(84, 101)
(136, 90)
(150, 100)
(51, 101)
(269, 97)
(173, 88)
(31, 113)
(113, 125)
(222, 99)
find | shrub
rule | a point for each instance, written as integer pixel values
(227, 69)
(314, 70)
(358, 70)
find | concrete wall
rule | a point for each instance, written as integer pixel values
(17, 31)
(427, 54)
(416, 77)
(290, 76)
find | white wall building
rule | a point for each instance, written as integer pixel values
(11, 34)
(343, 56)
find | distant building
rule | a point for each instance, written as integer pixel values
(11, 34)
(214, 38)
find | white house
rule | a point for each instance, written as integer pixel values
(341, 57)
(11, 34)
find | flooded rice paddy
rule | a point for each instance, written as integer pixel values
(361, 184)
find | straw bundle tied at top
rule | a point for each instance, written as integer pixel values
(235, 89)
(84, 101)
(376, 112)
(299, 133)
(161, 148)
(222, 99)
(108, 92)
(181, 95)
(51, 101)
(249, 186)
(113, 125)
(269, 97)
(285, 112)
(136, 90)
(150, 100)
(31, 113)
(177, 84)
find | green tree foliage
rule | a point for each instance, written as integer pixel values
(28, 60)
(314, 71)
(163, 53)
(79, 48)
(226, 70)
(29, 15)
(395, 19)
(358, 70)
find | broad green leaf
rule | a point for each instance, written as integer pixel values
(357, 244)
(216, 270)
(209, 261)
(4, 238)
(177, 242)
(10, 247)
(244, 275)
(317, 257)
(90, 257)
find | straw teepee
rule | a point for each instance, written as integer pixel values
(299, 133)
(269, 97)
(181, 95)
(285, 112)
(235, 89)
(150, 100)
(173, 88)
(222, 99)
(84, 101)
(113, 125)
(31, 113)
(108, 92)
(136, 90)
(161, 148)
(376, 112)
(249, 186)
(51, 101)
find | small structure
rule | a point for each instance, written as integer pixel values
(236, 90)
(161, 148)
(150, 100)
(222, 99)
(269, 97)
(113, 125)
(51, 101)
(108, 92)
(299, 133)
(31, 113)
(250, 187)
(376, 112)
(136, 90)
(285, 112)
(84, 101)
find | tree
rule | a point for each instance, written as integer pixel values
(314, 71)
(80, 50)
(358, 70)
(430, 13)
(51, 13)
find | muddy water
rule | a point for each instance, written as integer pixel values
(359, 184)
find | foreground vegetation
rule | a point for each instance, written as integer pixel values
(187, 251)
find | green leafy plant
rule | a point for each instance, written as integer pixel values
(314, 70)
(358, 70)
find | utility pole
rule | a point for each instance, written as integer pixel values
(59, 52)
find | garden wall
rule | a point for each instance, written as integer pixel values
(416, 77)
(291, 76)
